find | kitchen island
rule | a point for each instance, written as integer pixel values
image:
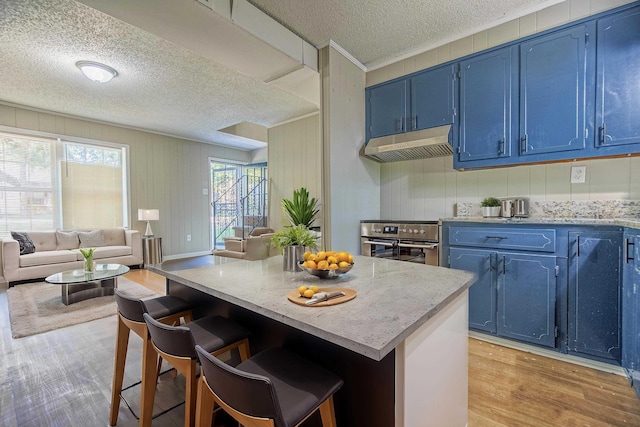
(400, 345)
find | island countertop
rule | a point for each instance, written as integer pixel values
(394, 298)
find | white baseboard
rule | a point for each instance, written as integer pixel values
(188, 255)
(588, 363)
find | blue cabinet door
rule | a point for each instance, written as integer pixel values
(482, 294)
(488, 106)
(387, 109)
(618, 92)
(432, 98)
(527, 297)
(595, 293)
(557, 83)
(631, 308)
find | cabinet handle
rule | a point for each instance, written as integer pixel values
(402, 124)
(504, 264)
(628, 258)
(603, 133)
(501, 147)
(525, 142)
(414, 122)
(578, 249)
(496, 237)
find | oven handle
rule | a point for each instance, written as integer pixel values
(409, 245)
(373, 242)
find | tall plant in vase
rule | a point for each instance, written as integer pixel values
(89, 266)
(294, 239)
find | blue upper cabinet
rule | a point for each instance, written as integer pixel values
(557, 82)
(387, 109)
(488, 108)
(423, 100)
(618, 90)
(432, 98)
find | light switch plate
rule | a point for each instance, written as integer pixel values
(578, 174)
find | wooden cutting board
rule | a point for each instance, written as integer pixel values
(295, 297)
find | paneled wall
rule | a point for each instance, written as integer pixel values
(430, 188)
(294, 162)
(166, 173)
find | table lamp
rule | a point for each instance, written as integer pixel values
(148, 215)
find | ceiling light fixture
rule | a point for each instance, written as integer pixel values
(96, 71)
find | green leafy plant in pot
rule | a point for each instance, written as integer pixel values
(490, 207)
(293, 241)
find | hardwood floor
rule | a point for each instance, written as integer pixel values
(63, 378)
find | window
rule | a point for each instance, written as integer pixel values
(47, 184)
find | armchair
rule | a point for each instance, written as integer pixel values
(256, 246)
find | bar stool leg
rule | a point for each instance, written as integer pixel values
(191, 393)
(122, 344)
(327, 413)
(149, 380)
(204, 405)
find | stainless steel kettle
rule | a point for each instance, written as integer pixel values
(507, 208)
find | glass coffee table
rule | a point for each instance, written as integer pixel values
(79, 285)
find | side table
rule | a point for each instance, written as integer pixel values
(152, 250)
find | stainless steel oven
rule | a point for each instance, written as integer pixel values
(412, 241)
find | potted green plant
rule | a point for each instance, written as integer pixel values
(293, 241)
(302, 209)
(490, 207)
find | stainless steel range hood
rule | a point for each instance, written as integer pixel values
(420, 144)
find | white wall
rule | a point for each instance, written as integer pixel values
(350, 181)
(429, 189)
(166, 173)
(294, 162)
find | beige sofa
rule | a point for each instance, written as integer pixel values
(54, 254)
(256, 246)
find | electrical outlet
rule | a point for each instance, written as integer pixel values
(188, 237)
(578, 174)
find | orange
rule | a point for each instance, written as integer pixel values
(343, 256)
(321, 255)
(306, 255)
(314, 288)
(343, 264)
(308, 293)
(333, 266)
(323, 265)
(302, 290)
(311, 264)
(332, 259)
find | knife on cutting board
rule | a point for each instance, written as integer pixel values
(324, 296)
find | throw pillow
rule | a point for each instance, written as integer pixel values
(25, 242)
(91, 239)
(67, 240)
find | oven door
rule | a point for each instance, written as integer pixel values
(418, 252)
(379, 248)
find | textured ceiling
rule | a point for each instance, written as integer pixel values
(168, 88)
(376, 32)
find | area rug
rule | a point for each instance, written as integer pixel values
(37, 307)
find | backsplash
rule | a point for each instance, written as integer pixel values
(590, 209)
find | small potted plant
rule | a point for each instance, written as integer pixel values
(490, 207)
(302, 209)
(89, 265)
(293, 241)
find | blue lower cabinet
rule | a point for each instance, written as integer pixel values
(513, 296)
(482, 294)
(631, 308)
(527, 297)
(594, 299)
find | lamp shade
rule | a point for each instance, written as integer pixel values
(148, 214)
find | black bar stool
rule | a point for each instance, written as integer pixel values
(166, 309)
(176, 345)
(273, 388)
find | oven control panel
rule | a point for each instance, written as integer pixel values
(414, 231)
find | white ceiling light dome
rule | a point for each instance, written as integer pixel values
(96, 71)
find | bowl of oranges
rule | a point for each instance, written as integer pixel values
(327, 264)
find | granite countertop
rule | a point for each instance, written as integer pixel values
(394, 298)
(620, 222)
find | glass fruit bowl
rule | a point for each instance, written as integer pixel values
(326, 274)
